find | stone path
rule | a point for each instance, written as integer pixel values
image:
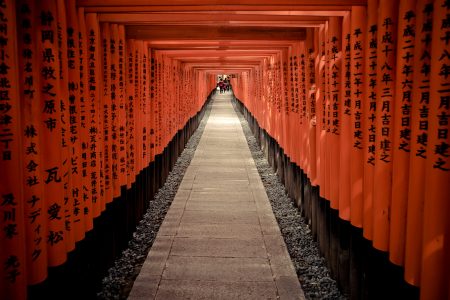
(219, 239)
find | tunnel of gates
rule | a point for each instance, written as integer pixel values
(352, 110)
(90, 125)
(355, 118)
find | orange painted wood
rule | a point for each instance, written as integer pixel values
(75, 130)
(284, 105)
(343, 104)
(86, 167)
(345, 122)
(357, 69)
(30, 111)
(335, 81)
(13, 259)
(130, 107)
(436, 252)
(65, 126)
(115, 109)
(145, 90)
(158, 107)
(223, 18)
(65, 129)
(310, 104)
(369, 115)
(302, 150)
(313, 50)
(192, 32)
(402, 130)
(322, 10)
(281, 80)
(386, 66)
(419, 137)
(93, 114)
(105, 111)
(320, 96)
(292, 131)
(328, 121)
(52, 163)
(138, 105)
(219, 2)
(122, 106)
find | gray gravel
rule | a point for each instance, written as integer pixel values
(119, 281)
(311, 268)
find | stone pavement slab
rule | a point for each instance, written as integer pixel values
(229, 269)
(183, 289)
(219, 239)
(218, 247)
(230, 205)
(231, 231)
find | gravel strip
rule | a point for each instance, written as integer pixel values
(311, 268)
(119, 281)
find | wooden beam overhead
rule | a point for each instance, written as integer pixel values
(249, 44)
(248, 64)
(250, 48)
(215, 53)
(218, 34)
(274, 24)
(222, 62)
(162, 18)
(198, 47)
(160, 32)
(328, 10)
(224, 70)
(293, 3)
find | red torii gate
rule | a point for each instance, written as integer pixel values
(369, 117)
